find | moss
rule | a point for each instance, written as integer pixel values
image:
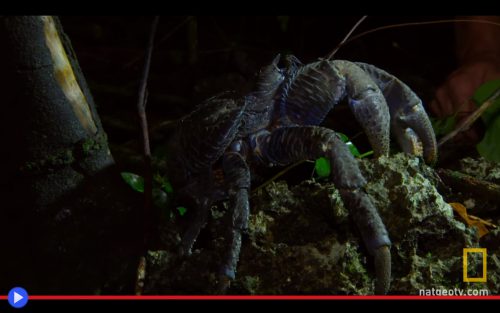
(251, 283)
(481, 168)
(96, 143)
(59, 158)
(66, 156)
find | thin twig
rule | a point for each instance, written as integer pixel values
(281, 173)
(148, 172)
(415, 24)
(162, 40)
(141, 109)
(467, 122)
(347, 37)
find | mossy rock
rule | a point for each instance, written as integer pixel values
(301, 240)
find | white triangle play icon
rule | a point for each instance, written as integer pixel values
(17, 297)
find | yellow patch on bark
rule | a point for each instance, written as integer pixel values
(65, 76)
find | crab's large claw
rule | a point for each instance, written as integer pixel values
(409, 121)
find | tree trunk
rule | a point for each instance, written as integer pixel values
(70, 225)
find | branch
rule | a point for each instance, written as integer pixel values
(418, 24)
(346, 37)
(163, 39)
(141, 108)
(466, 183)
(148, 173)
(467, 122)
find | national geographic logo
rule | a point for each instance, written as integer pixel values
(468, 279)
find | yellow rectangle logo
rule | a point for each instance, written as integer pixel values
(475, 279)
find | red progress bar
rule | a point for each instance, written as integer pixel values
(263, 297)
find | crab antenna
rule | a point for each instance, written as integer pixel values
(347, 37)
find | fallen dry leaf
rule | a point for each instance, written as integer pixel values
(471, 220)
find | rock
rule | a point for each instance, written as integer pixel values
(481, 169)
(301, 240)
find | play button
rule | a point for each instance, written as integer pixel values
(18, 297)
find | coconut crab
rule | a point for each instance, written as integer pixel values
(275, 125)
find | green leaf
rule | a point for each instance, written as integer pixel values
(366, 154)
(164, 183)
(322, 167)
(343, 137)
(489, 147)
(353, 149)
(133, 180)
(167, 186)
(350, 145)
(482, 94)
(182, 210)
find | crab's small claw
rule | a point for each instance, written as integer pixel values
(414, 132)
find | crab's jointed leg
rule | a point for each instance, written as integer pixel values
(237, 178)
(217, 121)
(290, 144)
(204, 204)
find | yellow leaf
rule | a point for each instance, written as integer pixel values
(471, 220)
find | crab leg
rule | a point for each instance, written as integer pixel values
(237, 177)
(200, 219)
(409, 121)
(290, 144)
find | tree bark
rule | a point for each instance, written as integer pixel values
(70, 223)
